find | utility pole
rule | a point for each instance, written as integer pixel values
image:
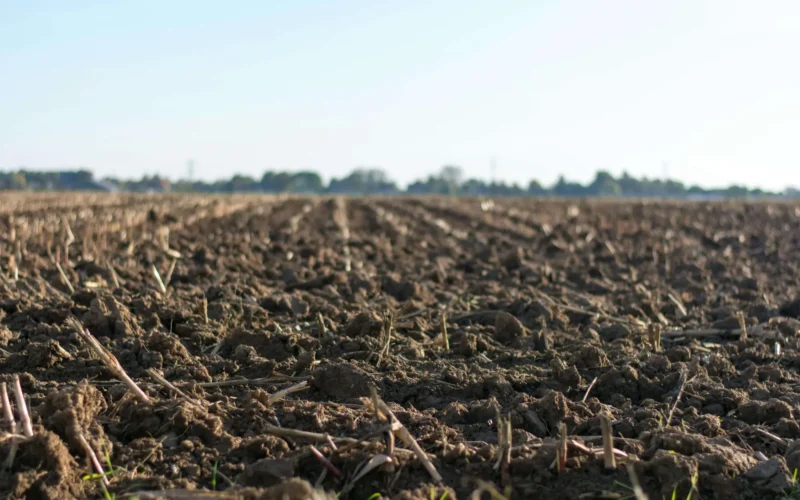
(493, 169)
(190, 169)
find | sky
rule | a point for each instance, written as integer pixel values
(707, 92)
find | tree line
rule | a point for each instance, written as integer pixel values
(450, 180)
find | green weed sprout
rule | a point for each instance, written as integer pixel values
(433, 494)
(214, 476)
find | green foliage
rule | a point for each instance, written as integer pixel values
(107, 455)
(95, 476)
(433, 494)
(100, 477)
(214, 476)
(485, 487)
(627, 488)
(691, 490)
(694, 485)
(794, 491)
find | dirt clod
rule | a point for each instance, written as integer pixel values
(341, 381)
(791, 309)
(508, 328)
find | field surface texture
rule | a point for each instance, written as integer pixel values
(254, 347)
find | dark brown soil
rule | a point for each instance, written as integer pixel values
(541, 301)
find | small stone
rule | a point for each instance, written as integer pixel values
(771, 475)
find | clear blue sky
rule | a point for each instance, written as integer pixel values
(708, 91)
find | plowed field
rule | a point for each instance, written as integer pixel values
(429, 348)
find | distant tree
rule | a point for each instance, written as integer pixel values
(276, 182)
(18, 180)
(418, 187)
(629, 185)
(242, 183)
(353, 183)
(791, 192)
(536, 189)
(474, 187)
(674, 188)
(306, 182)
(364, 181)
(452, 176)
(82, 175)
(433, 185)
(736, 192)
(565, 188)
(604, 184)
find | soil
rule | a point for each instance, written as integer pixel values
(552, 311)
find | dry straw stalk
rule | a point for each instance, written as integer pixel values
(108, 360)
